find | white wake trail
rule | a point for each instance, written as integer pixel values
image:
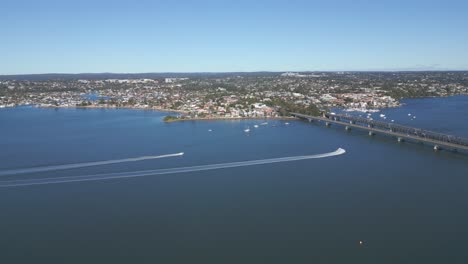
(120, 175)
(82, 165)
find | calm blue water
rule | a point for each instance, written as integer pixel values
(407, 203)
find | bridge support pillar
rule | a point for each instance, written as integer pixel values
(310, 120)
(348, 128)
(371, 133)
(400, 139)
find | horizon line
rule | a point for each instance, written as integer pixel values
(221, 72)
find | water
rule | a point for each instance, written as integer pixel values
(406, 203)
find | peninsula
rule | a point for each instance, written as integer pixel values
(230, 95)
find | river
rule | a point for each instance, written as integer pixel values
(380, 202)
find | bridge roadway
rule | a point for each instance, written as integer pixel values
(438, 140)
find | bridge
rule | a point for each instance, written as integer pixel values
(401, 132)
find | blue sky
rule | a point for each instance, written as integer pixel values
(206, 35)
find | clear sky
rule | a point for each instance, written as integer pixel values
(45, 36)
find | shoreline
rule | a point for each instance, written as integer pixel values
(111, 107)
(230, 118)
(164, 110)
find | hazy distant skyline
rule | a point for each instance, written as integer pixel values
(231, 36)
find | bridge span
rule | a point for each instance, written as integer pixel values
(401, 132)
